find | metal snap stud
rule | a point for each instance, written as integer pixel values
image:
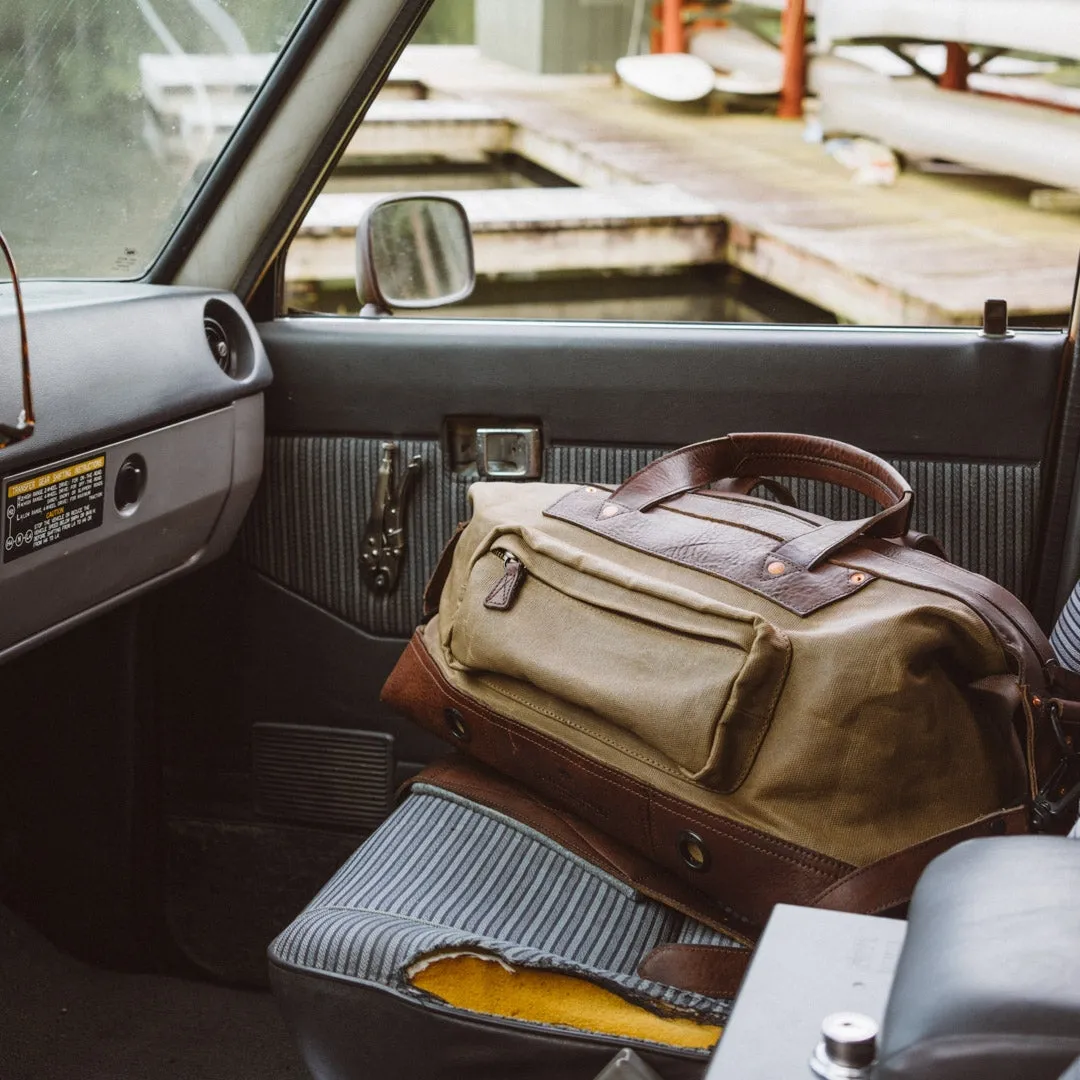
(848, 1047)
(609, 511)
(455, 724)
(776, 568)
(857, 578)
(692, 851)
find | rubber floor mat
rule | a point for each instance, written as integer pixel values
(62, 1019)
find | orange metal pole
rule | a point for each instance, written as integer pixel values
(957, 67)
(793, 48)
(655, 40)
(671, 34)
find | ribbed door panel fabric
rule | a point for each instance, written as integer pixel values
(306, 525)
(443, 873)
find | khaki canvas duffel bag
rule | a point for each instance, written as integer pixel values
(772, 706)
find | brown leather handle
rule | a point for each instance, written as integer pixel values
(769, 454)
(747, 485)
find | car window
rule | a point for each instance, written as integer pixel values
(110, 115)
(615, 165)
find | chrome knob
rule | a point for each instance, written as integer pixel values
(848, 1047)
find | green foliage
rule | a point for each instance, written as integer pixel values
(449, 22)
(266, 23)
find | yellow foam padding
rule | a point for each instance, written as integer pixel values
(486, 985)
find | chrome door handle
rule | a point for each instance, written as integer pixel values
(509, 453)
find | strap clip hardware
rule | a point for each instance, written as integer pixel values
(1061, 792)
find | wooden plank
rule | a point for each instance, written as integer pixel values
(169, 81)
(930, 249)
(440, 128)
(536, 208)
(643, 249)
(537, 231)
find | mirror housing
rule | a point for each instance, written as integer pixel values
(413, 252)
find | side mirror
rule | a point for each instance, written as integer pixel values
(413, 251)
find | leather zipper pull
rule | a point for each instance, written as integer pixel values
(509, 585)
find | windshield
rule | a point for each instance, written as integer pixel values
(111, 112)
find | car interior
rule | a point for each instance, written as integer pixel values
(220, 519)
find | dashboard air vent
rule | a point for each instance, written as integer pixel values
(221, 346)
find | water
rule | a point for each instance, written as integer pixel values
(705, 294)
(700, 294)
(397, 176)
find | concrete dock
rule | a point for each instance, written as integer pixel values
(928, 250)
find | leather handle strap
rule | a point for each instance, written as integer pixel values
(745, 485)
(770, 454)
(766, 454)
(921, 541)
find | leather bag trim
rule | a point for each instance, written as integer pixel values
(619, 804)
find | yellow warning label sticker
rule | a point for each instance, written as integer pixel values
(53, 506)
(68, 472)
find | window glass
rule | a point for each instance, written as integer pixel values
(727, 163)
(110, 114)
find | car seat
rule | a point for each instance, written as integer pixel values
(460, 942)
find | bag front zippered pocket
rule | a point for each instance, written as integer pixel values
(697, 684)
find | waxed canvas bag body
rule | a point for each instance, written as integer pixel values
(769, 705)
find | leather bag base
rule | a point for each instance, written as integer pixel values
(745, 870)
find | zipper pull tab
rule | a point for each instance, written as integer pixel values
(502, 597)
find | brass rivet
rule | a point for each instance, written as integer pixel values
(776, 568)
(692, 851)
(857, 578)
(1037, 702)
(591, 490)
(609, 511)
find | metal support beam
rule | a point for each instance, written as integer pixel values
(672, 39)
(793, 47)
(957, 67)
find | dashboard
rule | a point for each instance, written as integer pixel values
(147, 450)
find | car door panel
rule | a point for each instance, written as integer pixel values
(321, 643)
(927, 393)
(967, 419)
(611, 398)
(307, 523)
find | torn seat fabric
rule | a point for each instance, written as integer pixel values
(365, 974)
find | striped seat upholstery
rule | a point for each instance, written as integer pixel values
(443, 873)
(1065, 638)
(1065, 641)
